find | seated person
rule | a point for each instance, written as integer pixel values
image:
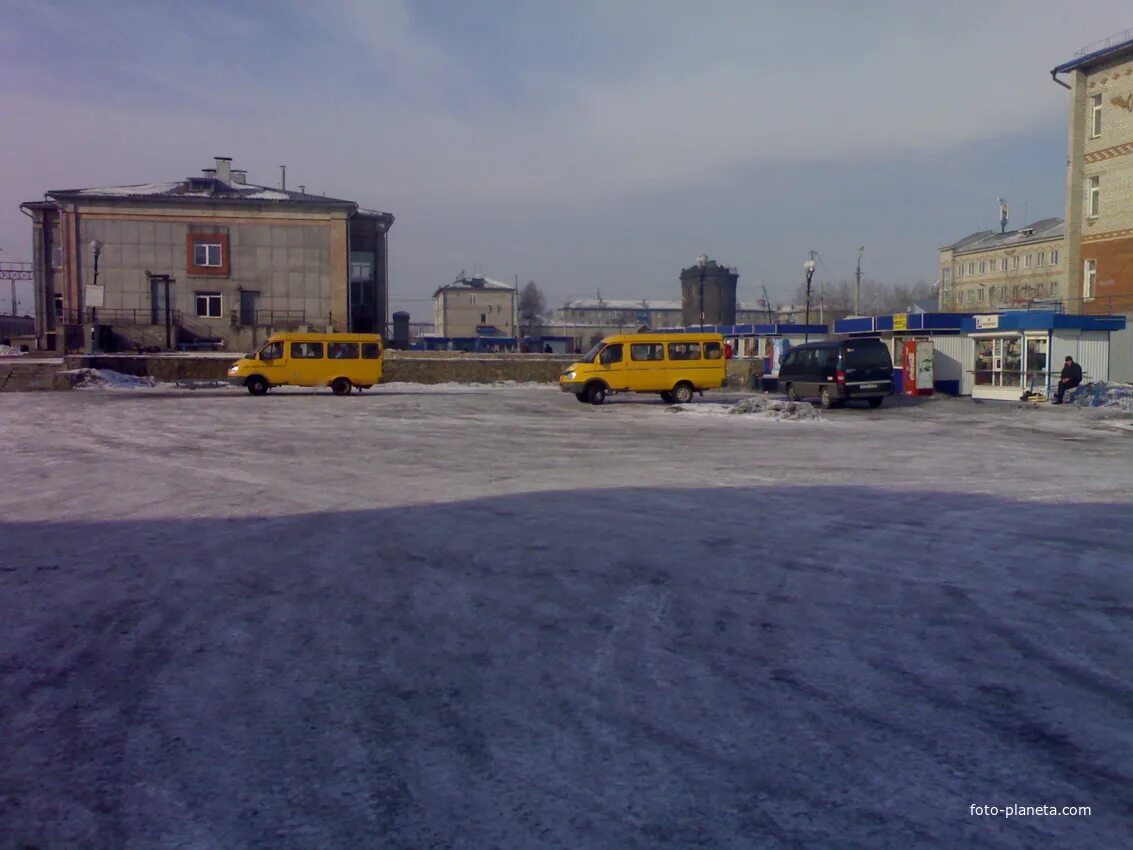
(1071, 377)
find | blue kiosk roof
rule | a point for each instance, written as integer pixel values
(941, 323)
(754, 330)
(1046, 320)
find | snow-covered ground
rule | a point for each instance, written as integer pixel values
(493, 617)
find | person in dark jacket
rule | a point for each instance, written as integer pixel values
(1071, 377)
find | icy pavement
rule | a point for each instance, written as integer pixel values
(494, 617)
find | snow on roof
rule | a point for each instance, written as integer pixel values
(621, 304)
(986, 240)
(477, 281)
(209, 187)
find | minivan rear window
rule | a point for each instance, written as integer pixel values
(864, 355)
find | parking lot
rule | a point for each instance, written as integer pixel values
(461, 616)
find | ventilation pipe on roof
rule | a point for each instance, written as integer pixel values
(239, 176)
(209, 172)
(224, 169)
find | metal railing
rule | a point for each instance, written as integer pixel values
(1110, 41)
(117, 316)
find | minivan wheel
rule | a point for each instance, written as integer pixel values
(876, 401)
(257, 385)
(682, 393)
(825, 399)
(792, 393)
(596, 394)
(341, 386)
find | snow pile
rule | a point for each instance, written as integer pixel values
(768, 408)
(107, 379)
(8, 351)
(1104, 394)
(775, 408)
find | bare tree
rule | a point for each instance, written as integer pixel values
(532, 307)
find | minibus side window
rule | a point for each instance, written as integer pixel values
(271, 351)
(684, 350)
(713, 350)
(647, 351)
(306, 350)
(342, 350)
(371, 351)
(611, 354)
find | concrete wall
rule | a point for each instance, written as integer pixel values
(414, 367)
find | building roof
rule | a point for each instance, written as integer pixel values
(198, 188)
(989, 240)
(478, 281)
(640, 304)
(1110, 48)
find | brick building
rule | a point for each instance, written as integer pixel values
(209, 260)
(991, 270)
(1099, 182)
(474, 305)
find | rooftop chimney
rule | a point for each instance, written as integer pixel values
(208, 172)
(240, 176)
(224, 169)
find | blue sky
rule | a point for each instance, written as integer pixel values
(584, 145)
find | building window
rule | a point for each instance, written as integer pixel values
(946, 275)
(208, 254)
(1003, 264)
(208, 305)
(983, 266)
(960, 297)
(58, 299)
(1095, 202)
(1054, 257)
(483, 318)
(959, 270)
(1089, 278)
(971, 268)
(1015, 263)
(1095, 116)
(980, 295)
(1027, 260)
(1041, 258)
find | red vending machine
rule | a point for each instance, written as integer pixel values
(917, 362)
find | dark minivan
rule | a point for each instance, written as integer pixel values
(835, 372)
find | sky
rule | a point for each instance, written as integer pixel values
(591, 146)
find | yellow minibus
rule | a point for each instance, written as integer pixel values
(341, 361)
(674, 365)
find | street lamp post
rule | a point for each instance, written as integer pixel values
(808, 267)
(701, 262)
(858, 284)
(96, 249)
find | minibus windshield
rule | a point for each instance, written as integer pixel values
(592, 353)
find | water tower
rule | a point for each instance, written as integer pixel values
(708, 293)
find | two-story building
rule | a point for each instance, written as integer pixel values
(475, 306)
(1099, 180)
(211, 260)
(992, 270)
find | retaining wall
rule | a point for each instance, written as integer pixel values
(409, 366)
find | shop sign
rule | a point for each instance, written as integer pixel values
(984, 323)
(900, 321)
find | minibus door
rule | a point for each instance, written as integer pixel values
(612, 361)
(272, 358)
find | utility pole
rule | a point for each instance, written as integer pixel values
(767, 304)
(858, 284)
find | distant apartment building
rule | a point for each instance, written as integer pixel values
(475, 306)
(1099, 182)
(628, 314)
(991, 270)
(210, 260)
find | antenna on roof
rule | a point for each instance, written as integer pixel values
(1003, 211)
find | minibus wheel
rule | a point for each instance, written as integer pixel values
(682, 393)
(341, 386)
(257, 385)
(596, 394)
